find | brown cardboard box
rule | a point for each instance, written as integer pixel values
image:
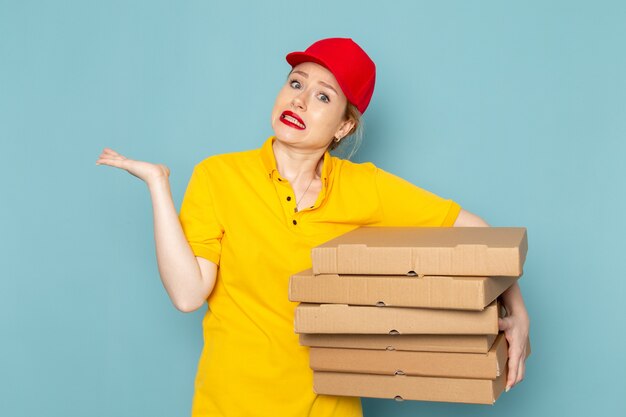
(395, 362)
(341, 318)
(465, 293)
(404, 387)
(404, 342)
(465, 251)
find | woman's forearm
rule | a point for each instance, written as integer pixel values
(178, 266)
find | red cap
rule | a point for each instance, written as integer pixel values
(352, 67)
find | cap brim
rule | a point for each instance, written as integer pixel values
(296, 58)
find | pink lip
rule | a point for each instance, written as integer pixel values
(289, 123)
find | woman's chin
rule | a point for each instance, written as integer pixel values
(288, 137)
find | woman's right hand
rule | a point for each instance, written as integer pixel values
(145, 171)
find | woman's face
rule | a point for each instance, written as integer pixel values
(309, 110)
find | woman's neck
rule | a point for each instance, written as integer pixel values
(296, 165)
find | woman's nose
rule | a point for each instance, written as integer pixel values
(299, 101)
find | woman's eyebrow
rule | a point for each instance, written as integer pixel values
(305, 75)
(329, 86)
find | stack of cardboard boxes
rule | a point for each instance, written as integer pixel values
(409, 313)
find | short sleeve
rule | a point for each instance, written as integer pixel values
(198, 219)
(405, 204)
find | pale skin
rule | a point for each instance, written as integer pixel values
(312, 93)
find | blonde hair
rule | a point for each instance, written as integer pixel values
(346, 148)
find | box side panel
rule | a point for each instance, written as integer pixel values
(324, 260)
(495, 286)
(523, 249)
(466, 293)
(448, 364)
(418, 342)
(500, 352)
(458, 390)
(462, 260)
(336, 318)
(426, 251)
(361, 259)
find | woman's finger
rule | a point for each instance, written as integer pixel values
(521, 368)
(112, 155)
(513, 369)
(504, 324)
(110, 161)
(110, 151)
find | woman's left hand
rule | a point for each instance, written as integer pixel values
(516, 327)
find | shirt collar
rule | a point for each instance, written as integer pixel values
(269, 161)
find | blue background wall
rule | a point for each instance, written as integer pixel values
(515, 110)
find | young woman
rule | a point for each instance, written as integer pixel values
(248, 222)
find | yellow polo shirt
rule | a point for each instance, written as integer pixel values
(239, 213)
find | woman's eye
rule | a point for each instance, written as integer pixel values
(323, 97)
(294, 84)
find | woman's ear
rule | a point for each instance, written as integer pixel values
(345, 128)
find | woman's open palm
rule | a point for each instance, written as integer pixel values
(145, 171)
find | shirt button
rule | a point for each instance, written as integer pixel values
(288, 198)
(295, 222)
